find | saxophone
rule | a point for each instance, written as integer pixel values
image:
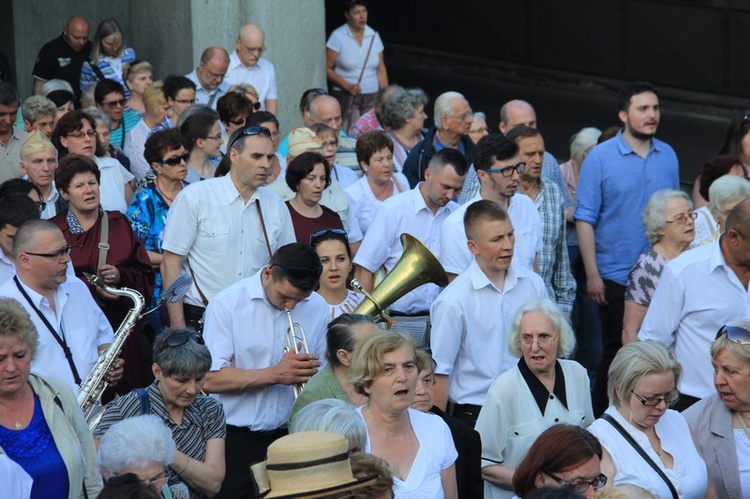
(93, 387)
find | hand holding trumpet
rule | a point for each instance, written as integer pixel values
(296, 368)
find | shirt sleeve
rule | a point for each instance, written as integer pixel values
(551, 170)
(446, 335)
(377, 45)
(379, 240)
(589, 191)
(43, 67)
(454, 253)
(563, 282)
(181, 228)
(88, 76)
(334, 42)
(665, 311)
(216, 419)
(217, 333)
(105, 333)
(141, 214)
(272, 92)
(492, 426)
(354, 232)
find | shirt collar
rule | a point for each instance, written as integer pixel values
(480, 280)
(420, 204)
(717, 257)
(625, 148)
(538, 390)
(368, 31)
(40, 300)
(159, 408)
(255, 290)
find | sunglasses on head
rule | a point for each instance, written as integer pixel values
(250, 131)
(735, 333)
(179, 339)
(300, 272)
(176, 160)
(325, 232)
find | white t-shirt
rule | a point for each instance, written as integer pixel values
(363, 202)
(436, 453)
(262, 76)
(352, 55)
(114, 176)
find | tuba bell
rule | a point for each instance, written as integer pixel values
(416, 266)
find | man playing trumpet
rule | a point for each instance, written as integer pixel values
(246, 331)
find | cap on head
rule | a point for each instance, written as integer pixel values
(35, 142)
(303, 140)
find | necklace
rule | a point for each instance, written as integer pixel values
(170, 199)
(18, 425)
(742, 424)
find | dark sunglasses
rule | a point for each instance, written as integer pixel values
(325, 232)
(248, 132)
(315, 91)
(176, 160)
(300, 272)
(179, 339)
(735, 333)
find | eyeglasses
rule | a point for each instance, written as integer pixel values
(543, 340)
(253, 49)
(56, 254)
(508, 170)
(115, 103)
(81, 134)
(179, 339)
(300, 272)
(683, 218)
(214, 137)
(249, 131)
(668, 398)
(464, 116)
(176, 160)
(153, 481)
(103, 134)
(325, 232)
(735, 333)
(330, 143)
(580, 486)
(185, 102)
(312, 91)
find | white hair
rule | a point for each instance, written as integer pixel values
(135, 443)
(552, 312)
(728, 189)
(331, 415)
(582, 141)
(443, 105)
(654, 216)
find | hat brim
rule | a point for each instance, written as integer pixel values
(355, 484)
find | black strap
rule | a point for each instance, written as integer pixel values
(639, 449)
(145, 401)
(60, 340)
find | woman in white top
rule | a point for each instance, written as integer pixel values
(403, 117)
(724, 193)
(375, 156)
(417, 446)
(538, 392)
(335, 255)
(641, 387)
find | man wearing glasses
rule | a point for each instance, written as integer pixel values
(498, 166)
(73, 330)
(209, 76)
(698, 292)
(253, 369)
(224, 229)
(247, 66)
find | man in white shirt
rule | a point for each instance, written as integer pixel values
(209, 76)
(247, 66)
(472, 316)
(38, 163)
(251, 373)
(73, 330)
(223, 229)
(15, 209)
(698, 292)
(419, 212)
(498, 164)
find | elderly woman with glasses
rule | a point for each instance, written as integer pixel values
(197, 422)
(143, 446)
(670, 228)
(645, 442)
(539, 391)
(719, 423)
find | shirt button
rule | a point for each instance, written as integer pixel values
(557, 420)
(552, 397)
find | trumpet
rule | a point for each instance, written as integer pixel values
(295, 333)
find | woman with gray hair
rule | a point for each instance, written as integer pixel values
(720, 422)
(144, 447)
(707, 228)
(103, 127)
(724, 194)
(403, 117)
(196, 422)
(540, 391)
(645, 442)
(332, 415)
(670, 228)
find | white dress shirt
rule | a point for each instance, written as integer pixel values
(262, 76)
(76, 318)
(221, 235)
(527, 227)
(114, 176)
(696, 295)
(471, 322)
(202, 96)
(404, 213)
(243, 330)
(364, 203)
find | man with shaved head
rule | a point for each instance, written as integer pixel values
(247, 66)
(209, 76)
(63, 57)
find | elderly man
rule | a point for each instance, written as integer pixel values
(209, 76)
(453, 118)
(698, 292)
(38, 113)
(15, 209)
(11, 138)
(512, 114)
(247, 66)
(372, 119)
(252, 374)
(73, 330)
(326, 110)
(223, 229)
(553, 262)
(64, 56)
(38, 163)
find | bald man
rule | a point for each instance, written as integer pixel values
(209, 76)
(247, 66)
(63, 57)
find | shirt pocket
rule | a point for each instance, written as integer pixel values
(214, 237)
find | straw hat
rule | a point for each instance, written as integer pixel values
(303, 140)
(307, 465)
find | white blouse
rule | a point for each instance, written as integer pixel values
(348, 305)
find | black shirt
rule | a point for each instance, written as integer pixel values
(57, 59)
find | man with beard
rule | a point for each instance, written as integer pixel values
(617, 179)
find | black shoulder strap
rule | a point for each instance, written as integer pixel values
(96, 70)
(639, 449)
(145, 401)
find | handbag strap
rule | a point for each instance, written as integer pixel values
(629, 439)
(103, 242)
(198, 288)
(364, 65)
(265, 233)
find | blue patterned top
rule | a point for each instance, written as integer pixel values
(89, 77)
(34, 449)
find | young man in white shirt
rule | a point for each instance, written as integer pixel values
(472, 316)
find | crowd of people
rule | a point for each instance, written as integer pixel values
(581, 306)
